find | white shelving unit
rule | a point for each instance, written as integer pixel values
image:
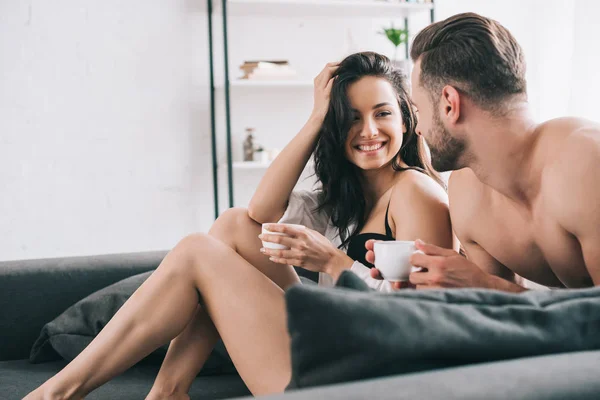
(326, 8)
(321, 10)
(262, 84)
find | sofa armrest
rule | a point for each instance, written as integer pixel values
(34, 292)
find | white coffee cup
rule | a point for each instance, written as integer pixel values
(392, 259)
(277, 246)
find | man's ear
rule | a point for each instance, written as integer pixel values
(450, 104)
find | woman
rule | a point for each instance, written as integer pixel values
(376, 183)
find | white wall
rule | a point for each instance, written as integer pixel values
(585, 79)
(104, 120)
(103, 126)
(545, 30)
(559, 38)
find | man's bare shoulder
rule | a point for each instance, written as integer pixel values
(577, 154)
(570, 178)
(570, 193)
(567, 125)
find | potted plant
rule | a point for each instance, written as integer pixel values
(397, 37)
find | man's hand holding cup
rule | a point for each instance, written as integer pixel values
(392, 261)
(430, 266)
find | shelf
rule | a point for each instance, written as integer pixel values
(244, 83)
(324, 8)
(250, 165)
(258, 164)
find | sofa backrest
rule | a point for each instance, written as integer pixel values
(34, 292)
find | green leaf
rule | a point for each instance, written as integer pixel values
(396, 36)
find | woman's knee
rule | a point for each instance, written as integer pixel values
(231, 224)
(195, 254)
(192, 246)
(233, 217)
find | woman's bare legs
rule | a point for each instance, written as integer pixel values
(188, 352)
(246, 307)
(186, 355)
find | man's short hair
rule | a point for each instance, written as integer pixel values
(474, 54)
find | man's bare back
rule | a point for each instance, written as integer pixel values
(540, 241)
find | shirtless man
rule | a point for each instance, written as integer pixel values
(525, 196)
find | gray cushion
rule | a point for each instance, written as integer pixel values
(33, 292)
(17, 378)
(342, 334)
(68, 334)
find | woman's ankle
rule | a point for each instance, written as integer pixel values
(167, 392)
(50, 391)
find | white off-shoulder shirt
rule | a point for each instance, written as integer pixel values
(301, 210)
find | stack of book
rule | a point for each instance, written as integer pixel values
(267, 70)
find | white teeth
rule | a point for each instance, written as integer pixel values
(371, 148)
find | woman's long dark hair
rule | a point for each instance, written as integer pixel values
(342, 196)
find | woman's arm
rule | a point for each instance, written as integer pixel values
(271, 196)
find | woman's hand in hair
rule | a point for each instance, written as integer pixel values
(306, 248)
(322, 87)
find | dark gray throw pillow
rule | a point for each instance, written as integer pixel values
(350, 332)
(69, 333)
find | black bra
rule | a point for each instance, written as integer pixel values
(356, 245)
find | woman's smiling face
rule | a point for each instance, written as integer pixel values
(375, 136)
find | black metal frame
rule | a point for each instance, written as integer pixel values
(227, 105)
(215, 165)
(213, 135)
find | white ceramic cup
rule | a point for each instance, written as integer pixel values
(392, 259)
(277, 246)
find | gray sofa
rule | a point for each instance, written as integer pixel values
(34, 292)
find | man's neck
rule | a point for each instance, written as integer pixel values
(503, 150)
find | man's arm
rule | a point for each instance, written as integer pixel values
(464, 190)
(503, 278)
(575, 184)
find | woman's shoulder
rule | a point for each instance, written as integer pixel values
(416, 198)
(419, 209)
(418, 188)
